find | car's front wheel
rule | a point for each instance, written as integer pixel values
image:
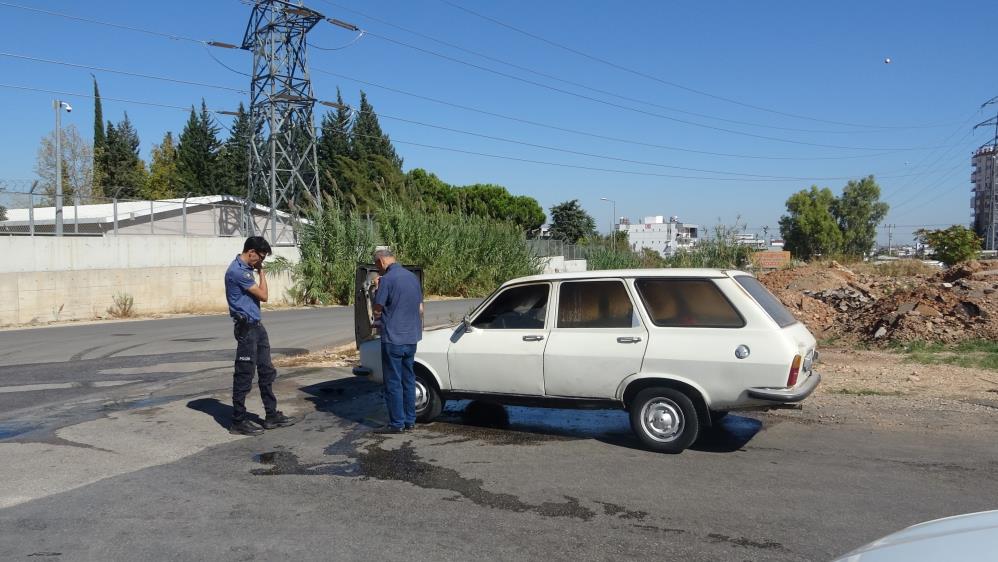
(664, 419)
(429, 404)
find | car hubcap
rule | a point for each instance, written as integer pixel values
(422, 396)
(662, 419)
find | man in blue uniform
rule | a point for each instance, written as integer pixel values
(245, 294)
(398, 310)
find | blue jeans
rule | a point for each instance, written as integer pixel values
(400, 383)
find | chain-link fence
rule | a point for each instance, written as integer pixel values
(551, 247)
(28, 213)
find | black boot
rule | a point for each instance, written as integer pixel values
(278, 419)
(245, 427)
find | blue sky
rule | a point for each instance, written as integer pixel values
(908, 122)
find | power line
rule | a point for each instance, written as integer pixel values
(667, 82)
(575, 166)
(363, 32)
(926, 157)
(757, 177)
(589, 133)
(98, 22)
(605, 157)
(579, 84)
(122, 72)
(623, 107)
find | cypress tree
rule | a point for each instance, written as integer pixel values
(100, 143)
(197, 154)
(234, 155)
(333, 143)
(125, 171)
(367, 137)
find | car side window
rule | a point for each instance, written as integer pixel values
(688, 303)
(517, 308)
(595, 304)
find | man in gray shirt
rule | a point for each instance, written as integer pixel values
(398, 310)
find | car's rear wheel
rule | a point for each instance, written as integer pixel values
(429, 404)
(664, 419)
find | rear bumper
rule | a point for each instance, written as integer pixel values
(785, 395)
(362, 371)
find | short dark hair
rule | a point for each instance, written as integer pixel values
(258, 244)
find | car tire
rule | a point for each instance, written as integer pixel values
(429, 403)
(664, 419)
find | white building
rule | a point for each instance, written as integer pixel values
(664, 237)
(212, 215)
(984, 198)
(750, 240)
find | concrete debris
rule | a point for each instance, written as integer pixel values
(837, 303)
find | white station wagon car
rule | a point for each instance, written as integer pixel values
(676, 348)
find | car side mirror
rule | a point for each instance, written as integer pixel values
(466, 321)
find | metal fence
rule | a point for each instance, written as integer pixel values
(34, 214)
(551, 247)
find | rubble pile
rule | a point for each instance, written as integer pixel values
(956, 304)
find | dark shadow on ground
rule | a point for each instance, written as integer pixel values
(353, 399)
(221, 412)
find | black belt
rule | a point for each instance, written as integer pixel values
(241, 318)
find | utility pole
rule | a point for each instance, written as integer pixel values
(283, 157)
(58, 105)
(890, 238)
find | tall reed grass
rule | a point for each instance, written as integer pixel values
(461, 255)
(331, 243)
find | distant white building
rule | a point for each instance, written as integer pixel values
(750, 240)
(660, 235)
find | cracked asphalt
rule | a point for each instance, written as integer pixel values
(150, 472)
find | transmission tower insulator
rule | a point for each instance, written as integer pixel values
(283, 160)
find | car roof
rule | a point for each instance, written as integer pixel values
(628, 273)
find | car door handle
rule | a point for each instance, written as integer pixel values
(629, 339)
(533, 338)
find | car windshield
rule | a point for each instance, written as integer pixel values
(773, 307)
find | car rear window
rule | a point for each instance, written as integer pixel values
(773, 307)
(688, 303)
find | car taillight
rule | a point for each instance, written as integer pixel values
(794, 371)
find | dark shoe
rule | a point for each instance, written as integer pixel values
(409, 427)
(388, 430)
(245, 427)
(279, 420)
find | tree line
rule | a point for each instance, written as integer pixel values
(357, 164)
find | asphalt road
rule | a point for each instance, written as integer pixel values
(53, 364)
(168, 482)
(148, 470)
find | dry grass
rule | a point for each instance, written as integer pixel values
(342, 356)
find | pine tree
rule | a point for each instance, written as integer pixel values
(197, 154)
(163, 181)
(100, 143)
(234, 155)
(367, 137)
(333, 143)
(125, 171)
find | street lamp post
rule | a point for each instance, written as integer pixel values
(613, 214)
(58, 105)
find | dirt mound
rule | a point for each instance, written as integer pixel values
(834, 302)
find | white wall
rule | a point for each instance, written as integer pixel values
(44, 279)
(558, 264)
